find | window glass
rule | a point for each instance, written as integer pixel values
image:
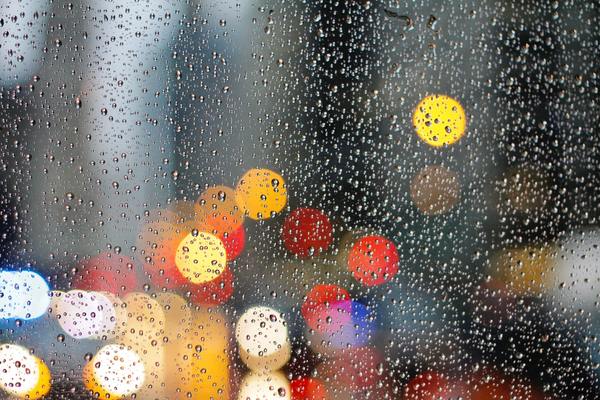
(303, 200)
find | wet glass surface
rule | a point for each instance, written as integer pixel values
(299, 200)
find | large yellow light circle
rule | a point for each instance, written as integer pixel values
(22, 374)
(90, 382)
(261, 193)
(201, 257)
(439, 120)
(42, 387)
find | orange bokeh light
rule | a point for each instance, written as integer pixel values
(218, 210)
(373, 260)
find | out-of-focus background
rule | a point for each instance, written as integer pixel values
(245, 200)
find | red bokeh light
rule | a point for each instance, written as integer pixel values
(373, 260)
(107, 272)
(214, 292)
(234, 242)
(305, 229)
(308, 389)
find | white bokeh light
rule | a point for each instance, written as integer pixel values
(265, 386)
(19, 370)
(23, 294)
(262, 336)
(118, 370)
(84, 315)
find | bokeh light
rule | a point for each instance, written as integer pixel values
(9, 303)
(373, 260)
(217, 209)
(115, 371)
(84, 315)
(262, 337)
(216, 291)
(527, 270)
(157, 243)
(577, 272)
(309, 389)
(178, 324)
(23, 294)
(115, 317)
(144, 324)
(144, 333)
(345, 330)
(198, 350)
(351, 371)
(439, 120)
(178, 314)
(107, 272)
(265, 386)
(307, 232)
(327, 308)
(22, 374)
(234, 242)
(261, 193)
(201, 257)
(44, 382)
(435, 190)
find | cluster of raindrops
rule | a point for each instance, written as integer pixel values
(299, 201)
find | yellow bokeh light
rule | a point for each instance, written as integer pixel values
(439, 120)
(201, 257)
(90, 382)
(201, 357)
(176, 311)
(42, 386)
(22, 374)
(144, 332)
(526, 270)
(261, 193)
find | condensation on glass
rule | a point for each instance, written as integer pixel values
(312, 200)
